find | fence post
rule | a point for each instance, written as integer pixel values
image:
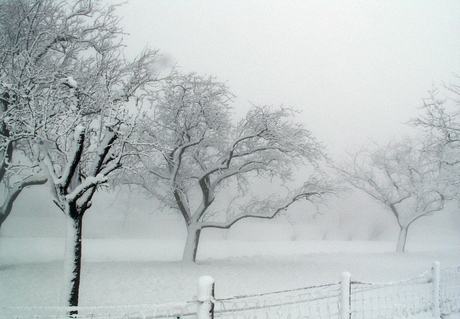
(345, 300)
(436, 273)
(205, 298)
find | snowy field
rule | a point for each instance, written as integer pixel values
(131, 272)
(131, 268)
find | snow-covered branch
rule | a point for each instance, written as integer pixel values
(267, 209)
(102, 151)
(86, 184)
(14, 192)
(73, 157)
(176, 158)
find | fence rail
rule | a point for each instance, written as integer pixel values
(435, 291)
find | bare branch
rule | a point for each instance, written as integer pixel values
(14, 192)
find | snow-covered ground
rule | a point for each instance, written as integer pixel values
(135, 269)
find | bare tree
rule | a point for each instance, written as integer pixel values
(191, 156)
(85, 166)
(400, 176)
(64, 85)
(19, 45)
(440, 122)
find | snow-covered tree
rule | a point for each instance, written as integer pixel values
(19, 49)
(64, 85)
(191, 156)
(440, 121)
(401, 177)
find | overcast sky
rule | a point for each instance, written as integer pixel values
(356, 69)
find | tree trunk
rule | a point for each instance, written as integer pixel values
(72, 262)
(401, 246)
(3, 216)
(191, 245)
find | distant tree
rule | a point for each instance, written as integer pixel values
(64, 84)
(191, 156)
(402, 178)
(440, 122)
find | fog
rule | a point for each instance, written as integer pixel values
(357, 71)
(123, 215)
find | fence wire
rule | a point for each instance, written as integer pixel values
(449, 290)
(391, 300)
(367, 300)
(159, 311)
(309, 302)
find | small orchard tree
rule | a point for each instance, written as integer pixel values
(74, 174)
(401, 177)
(191, 156)
(17, 79)
(65, 84)
(440, 122)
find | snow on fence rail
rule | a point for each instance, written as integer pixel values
(435, 291)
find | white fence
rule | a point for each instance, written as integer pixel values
(435, 291)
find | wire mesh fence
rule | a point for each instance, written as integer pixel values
(449, 290)
(308, 302)
(391, 300)
(158, 311)
(422, 294)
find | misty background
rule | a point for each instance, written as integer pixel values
(357, 71)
